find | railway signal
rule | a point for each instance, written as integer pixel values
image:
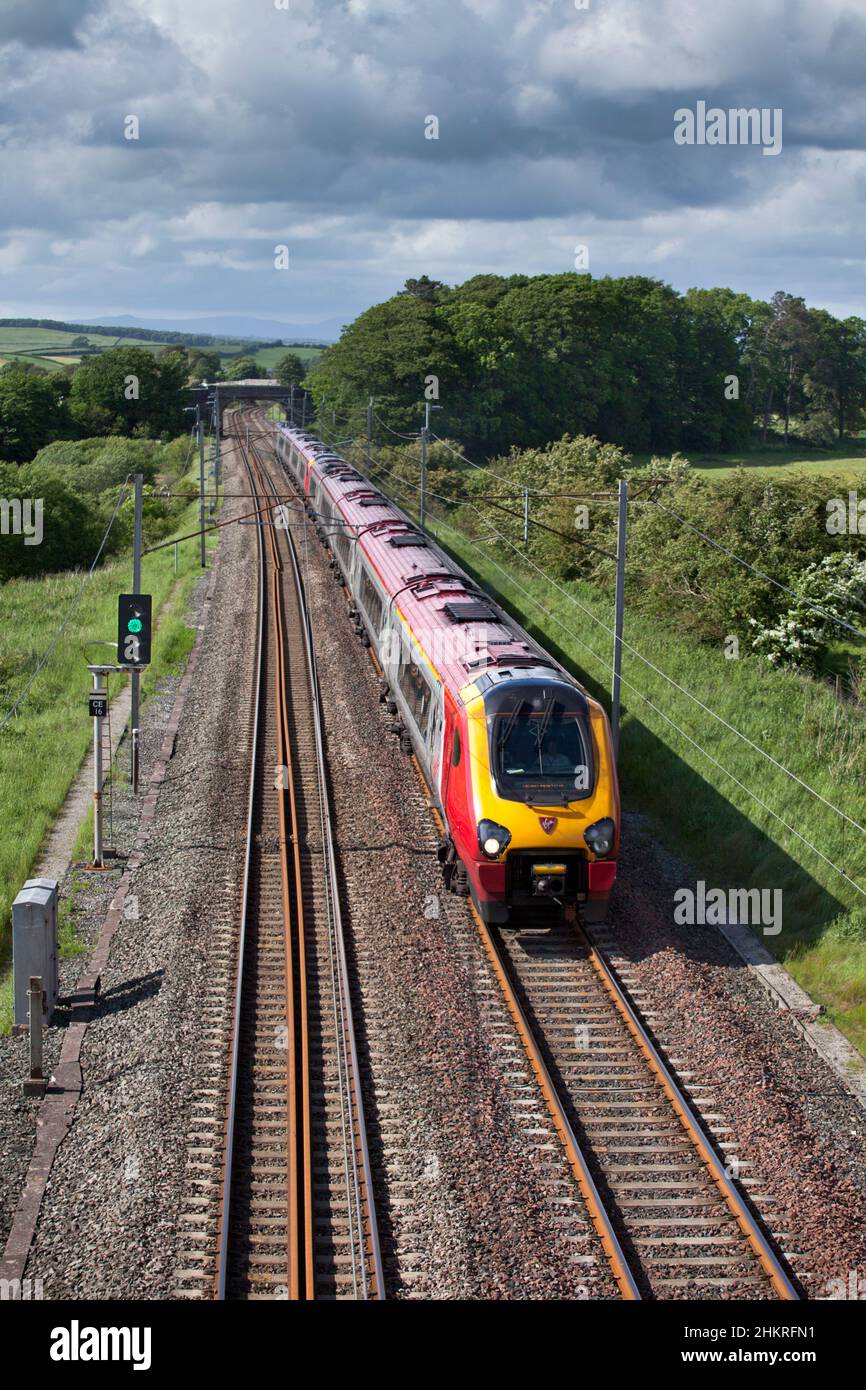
(134, 613)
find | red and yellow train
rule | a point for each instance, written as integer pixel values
(518, 757)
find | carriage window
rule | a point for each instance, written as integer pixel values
(455, 756)
(371, 600)
(341, 546)
(417, 692)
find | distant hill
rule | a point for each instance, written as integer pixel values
(229, 326)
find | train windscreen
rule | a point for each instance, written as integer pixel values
(540, 743)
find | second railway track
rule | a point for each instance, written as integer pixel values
(298, 1206)
(297, 1216)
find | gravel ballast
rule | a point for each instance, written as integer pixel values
(107, 1224)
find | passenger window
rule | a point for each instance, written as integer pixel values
(371, 600)
(417, 692)
(455, 756)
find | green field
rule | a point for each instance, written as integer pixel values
(269, 357)
(39, 345)
(846, 460)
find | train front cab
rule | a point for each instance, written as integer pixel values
(531, 798)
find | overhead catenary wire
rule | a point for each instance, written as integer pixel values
(746, 564)
(658, 671)
(72, 607)
(756, 747)
(754, 568)
(645, 698)
(629, 647)
(673, 724)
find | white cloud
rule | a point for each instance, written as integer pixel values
(305, 127)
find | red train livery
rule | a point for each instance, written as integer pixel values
(517, 756)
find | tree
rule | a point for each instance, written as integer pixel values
(203, 365)
(290, 369)
(834, 382)
(801, 637)
(70, 527)
(243, 367)
(32, 411)
(425, 288)
(128, 390)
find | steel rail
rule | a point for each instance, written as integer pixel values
(745, 1219)
(363, 1181)
(300, 1252)
(598, 1214)
(231, 1107)
(362, 1210)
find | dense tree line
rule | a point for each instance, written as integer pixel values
(524, 360)
(125, 391)
(77, 484)
(673, 574)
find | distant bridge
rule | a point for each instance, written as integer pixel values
(214, 397)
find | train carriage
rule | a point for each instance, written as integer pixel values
(517, 756)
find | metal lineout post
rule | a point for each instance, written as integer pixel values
(370, 404)
(136, 589)
(621, 531)
(99, 696)
(422, 508)
(526, 516)
(304, 409)
(425, 439)
(200, 428)
(217, 433)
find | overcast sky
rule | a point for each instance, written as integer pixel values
(305, 126)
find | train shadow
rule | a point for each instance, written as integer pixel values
(698, 835)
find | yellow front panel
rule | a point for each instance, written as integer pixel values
(523, 820)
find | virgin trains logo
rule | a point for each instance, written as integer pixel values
(548, 824)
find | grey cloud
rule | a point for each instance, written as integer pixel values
(38, 24)
(321, 112)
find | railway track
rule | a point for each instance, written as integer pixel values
(683, 1228)
(297, 1215)
(670, 1218)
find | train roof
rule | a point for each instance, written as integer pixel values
(466, 638)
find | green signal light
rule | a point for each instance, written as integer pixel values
(134, 625)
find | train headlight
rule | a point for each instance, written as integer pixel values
(600, 836)
(493, 839)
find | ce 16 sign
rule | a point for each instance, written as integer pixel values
(133, 629)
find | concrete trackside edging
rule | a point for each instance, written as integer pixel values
(789, 997)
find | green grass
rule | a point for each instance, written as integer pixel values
(37, 345)
(269, 357)
(18, 340)
(695, 809)
(42, 749)
(847, 460)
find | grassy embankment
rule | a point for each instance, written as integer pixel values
(42, 749)
(846, 460)
(695, 809)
